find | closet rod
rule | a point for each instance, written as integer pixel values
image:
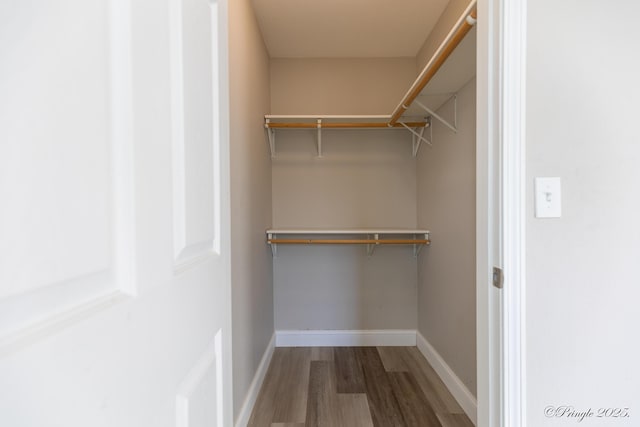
(466, 21)
(353, 125)
(384, 117)
(349, 241)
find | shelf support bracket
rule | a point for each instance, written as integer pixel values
(274, 247)
(416, 250)
(418, 247)
(454, 126)
(416, 141)
(371, 247)
(418, 137)
(271, 133)
(319, 138)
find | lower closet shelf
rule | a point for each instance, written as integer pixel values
(371, 237)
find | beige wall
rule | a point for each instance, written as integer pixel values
(446, 269)
(365, 179)
(339, 86)
(251, 273)
(583, 273)
(448, 18)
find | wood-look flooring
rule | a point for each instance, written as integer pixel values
(354, 387)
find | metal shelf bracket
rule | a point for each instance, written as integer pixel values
(418, 136)
(417, 248)
(271, 133)
(371, 247)
(274, 247)
(454, 126)
(319, 138)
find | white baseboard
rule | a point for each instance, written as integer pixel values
(460, 392)
(256, 384)
(346, 338)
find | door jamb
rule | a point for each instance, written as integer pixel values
(513, 146)
(500, 211)
(226, 382)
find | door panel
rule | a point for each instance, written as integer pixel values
(192, 86)
(105, 317)
(199, 397)
(64, 225)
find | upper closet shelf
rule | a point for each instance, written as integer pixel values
(403, 116)
(371, 237)
(319, 122)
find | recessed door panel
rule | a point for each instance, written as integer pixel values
(193, 84)
(63, 185)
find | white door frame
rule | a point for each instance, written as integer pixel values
(224, 205)
(500, 208)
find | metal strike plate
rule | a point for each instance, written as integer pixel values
(498, 278)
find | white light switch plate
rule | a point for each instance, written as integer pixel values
(548, 197)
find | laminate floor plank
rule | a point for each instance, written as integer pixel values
(322, 353)
(322, 403)
(392, 359)
(383, 405)
(354, 409)
(263, 409)
(455, 420)
(432, 386)
(416, 410)
(283, 397)
(350, 378)
(385, 387)
(291, 404)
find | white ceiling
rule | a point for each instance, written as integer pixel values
(346, 28)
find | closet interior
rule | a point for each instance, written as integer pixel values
(373, 200)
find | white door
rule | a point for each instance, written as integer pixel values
(114, 245)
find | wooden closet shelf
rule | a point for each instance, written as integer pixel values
(369, 237)
(345, 125)
(349, 241)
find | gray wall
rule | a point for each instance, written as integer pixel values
(446, 269)
(583, 274)
(251, 268)
(365, 179)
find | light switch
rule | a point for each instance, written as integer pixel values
(548, 197)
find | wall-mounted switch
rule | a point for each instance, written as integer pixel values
(548, 197)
